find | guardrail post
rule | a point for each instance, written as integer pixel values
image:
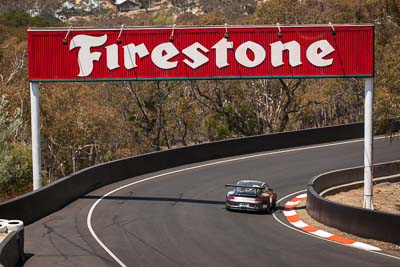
(368, 142)
(35, 125)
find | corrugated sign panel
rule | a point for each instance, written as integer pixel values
(200, 53)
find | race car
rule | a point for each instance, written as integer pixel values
(251, 195)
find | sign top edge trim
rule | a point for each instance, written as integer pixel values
(282, 26)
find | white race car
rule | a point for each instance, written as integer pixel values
(251, 195)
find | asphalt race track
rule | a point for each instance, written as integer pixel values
(179, 219)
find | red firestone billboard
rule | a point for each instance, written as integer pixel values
(234, 52)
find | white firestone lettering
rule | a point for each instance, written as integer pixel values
(112, 57)
(221, 52)
(277, 49)
(130, 52)
(243, 59)
(193, 53)
(85, 57)
(162, 53)
(317, 51)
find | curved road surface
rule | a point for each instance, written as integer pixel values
(179, 219)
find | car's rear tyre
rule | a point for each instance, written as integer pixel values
(268, 210)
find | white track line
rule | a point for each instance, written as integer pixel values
(322, 238)
(90, 214)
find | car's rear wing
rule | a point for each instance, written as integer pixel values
(244, 186)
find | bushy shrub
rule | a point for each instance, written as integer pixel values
(15, 169)
(19, 19)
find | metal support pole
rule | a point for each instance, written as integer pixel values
(368, 143)
(35, 125)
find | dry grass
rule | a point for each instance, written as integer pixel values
(386, 197)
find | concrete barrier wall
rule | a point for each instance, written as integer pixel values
(12, 249)
(35, 205)
(358, 221)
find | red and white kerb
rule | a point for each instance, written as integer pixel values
(295, 220)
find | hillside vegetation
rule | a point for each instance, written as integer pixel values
(83, 124)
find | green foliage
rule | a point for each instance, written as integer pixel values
(218, 127)
(9, 123)
(213, 18)
(15, 158)
(282, 11)
(387, 96)
(163, 17)
(18, 19)
(3, 33)
(15, 169)
(15, 24)
(391, 66)
(387, 107)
